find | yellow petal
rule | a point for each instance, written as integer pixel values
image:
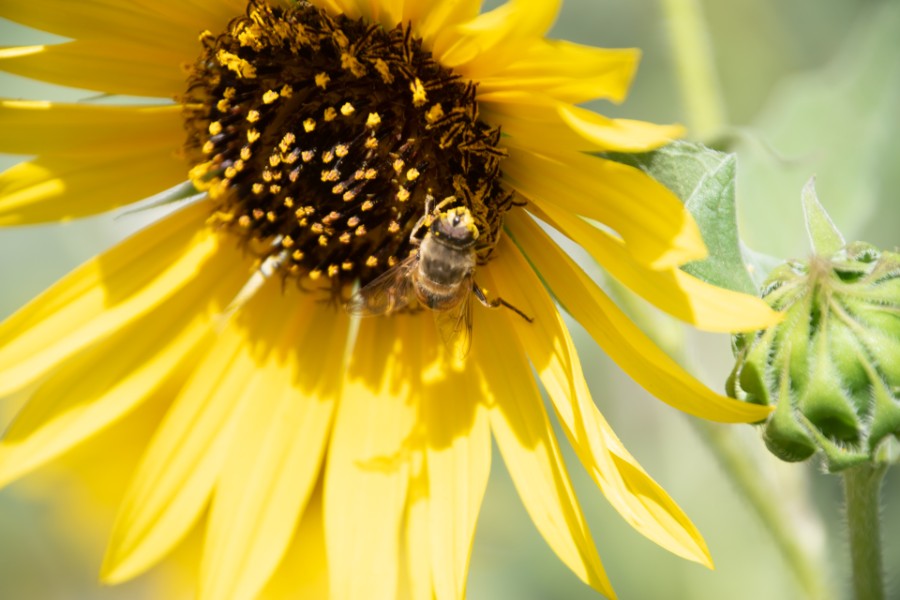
(156, 24)
(489, 39)
(681, 295)
(76, 130)
(279, 443)
(303, 573)
(59, 188)
(639, 499)
(622, 340)
(566, 72)
(104, 295)
(149, 356)
(459, 461)
(114, 67)
(657, 229)
(367, 473)
(431, 18)
(173, 483)
(547, 125)
(419, 584)
(529, 448)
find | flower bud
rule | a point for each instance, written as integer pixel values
(831, 368)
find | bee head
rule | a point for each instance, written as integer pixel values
(455, 227)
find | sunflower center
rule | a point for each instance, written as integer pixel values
(323, 140)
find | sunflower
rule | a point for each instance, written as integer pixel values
(345, 456)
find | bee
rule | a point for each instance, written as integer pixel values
(440, 274)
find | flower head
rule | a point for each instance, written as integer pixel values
(323, 135)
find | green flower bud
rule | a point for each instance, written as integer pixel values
(831, 368)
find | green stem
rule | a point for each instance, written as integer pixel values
(862, 486)
(742, 471)
(692, 52)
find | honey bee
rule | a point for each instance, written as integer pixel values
(439, 274)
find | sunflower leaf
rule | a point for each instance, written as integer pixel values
(704, 180)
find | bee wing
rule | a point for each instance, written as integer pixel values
(455, 325)
(386, 293)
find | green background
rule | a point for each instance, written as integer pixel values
(811, 87)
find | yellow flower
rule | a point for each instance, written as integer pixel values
(335, 453)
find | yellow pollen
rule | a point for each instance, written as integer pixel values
(331, 175)
(230, 172)
(402, 194)
(347, 265)
(307, 155)
(371, 173)
(341, 150)
(309, 125)
(223, 105)
(360, 231)
(287, 141)
(258, 188)
(330, 114)
(286, 91)
(412, 174)
(271, 217)
(274, 189)
(274, 160)
(392, 260)
(349, 195)
(258, 213)
(297, 255)
(323, 240)
(394, 227)
(267, 176)
(215, 128)
(352, 221)
(315, 274)
(419, 97)
(367, 205)
(398, 165)
(322, 80)
(434, 113)
(235, 63)
(317, 228)
(208, 147)
(288, 202)
(345, 238)
(244, 221)
(327, 156)
(294, 175)
(373, 120)
(287, 242)
(270, 97)
(371, 261)
(252, 135)
(333, 270)
(371, 143)
(252, 115)
(338, 189)
(347, 109)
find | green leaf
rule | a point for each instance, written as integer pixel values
(704, 180)
(823, 235)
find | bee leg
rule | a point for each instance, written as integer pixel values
(497, 302)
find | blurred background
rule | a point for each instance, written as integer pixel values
(810, 87)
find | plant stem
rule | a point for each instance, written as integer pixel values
(692, 51)
(742, 471)
(862, 486)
